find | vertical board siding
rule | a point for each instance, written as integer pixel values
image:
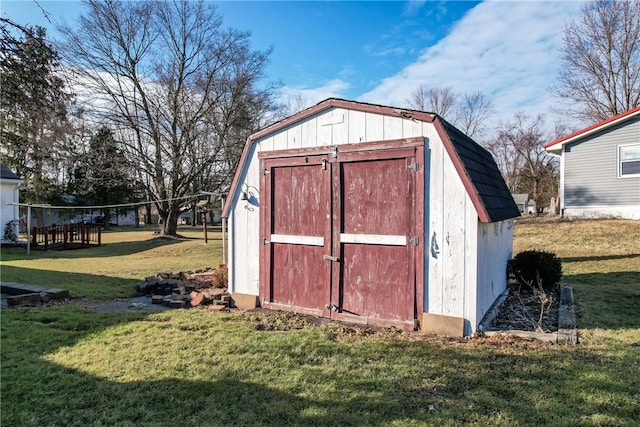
(374, 127)
(495, 248)
(280, 140)
(454, 207)
(591, 169)
(434, 244)
(357, 126)
(309, 133)
(245, 219)
(392, 127)
(471, 269)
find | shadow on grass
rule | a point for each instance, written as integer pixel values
(598, 258)
(78, 284)
(105, 250)
(373, 384)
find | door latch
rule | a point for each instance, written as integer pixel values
(331, 258)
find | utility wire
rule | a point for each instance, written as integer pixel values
(123, 205)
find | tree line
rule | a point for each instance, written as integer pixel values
(153, 101)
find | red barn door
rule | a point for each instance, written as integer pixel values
(341, 233)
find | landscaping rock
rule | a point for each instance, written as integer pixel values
(24, 299)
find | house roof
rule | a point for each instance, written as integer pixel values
(520, 197)
(6, 173)
(475, 165)
(557, 144)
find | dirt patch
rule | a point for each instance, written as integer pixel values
(281, 321)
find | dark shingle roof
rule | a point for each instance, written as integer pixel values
(483, 173)
(6, 173)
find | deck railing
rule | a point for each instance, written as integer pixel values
(67, 236)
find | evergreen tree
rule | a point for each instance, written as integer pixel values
(33, 115)
(101, 176)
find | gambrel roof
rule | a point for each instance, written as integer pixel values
(556, 145)
(475, 165)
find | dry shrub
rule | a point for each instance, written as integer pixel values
(221, 277)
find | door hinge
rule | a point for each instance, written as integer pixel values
(266, 171)
(415, 166)
(414, 240)
(265, 241)
(331, 307)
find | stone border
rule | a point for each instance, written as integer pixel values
(23, 294)
(567, 326)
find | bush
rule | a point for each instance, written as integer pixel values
(529, 266)
(10, 231)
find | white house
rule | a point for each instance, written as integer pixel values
(600, 168)
(370, 214)
(9, 185)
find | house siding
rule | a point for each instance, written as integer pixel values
(591, 171)
(9, 193)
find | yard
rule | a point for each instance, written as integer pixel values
(66, 365)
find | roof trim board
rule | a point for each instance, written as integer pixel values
(460, 169)
(557, 144)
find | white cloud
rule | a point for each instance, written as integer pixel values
(508, 50)
(335, 88)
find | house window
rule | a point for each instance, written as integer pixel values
(629, 160)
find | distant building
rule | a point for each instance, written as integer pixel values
(600, 168)
(525, 205)
(9, 193)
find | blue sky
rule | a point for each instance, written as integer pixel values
(381, 51)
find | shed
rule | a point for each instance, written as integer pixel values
(370, 214)
(9, 193)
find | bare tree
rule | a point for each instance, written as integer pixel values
(468, 111)
(472, 112)
(439, 100)
(600, 60)
(182, 91)
(525, 165)
(296, 103)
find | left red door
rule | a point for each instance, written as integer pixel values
(296, 234)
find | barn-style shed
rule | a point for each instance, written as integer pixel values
(370, 214)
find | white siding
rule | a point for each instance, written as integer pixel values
(244, 232)
(8, 194)
(495, 248)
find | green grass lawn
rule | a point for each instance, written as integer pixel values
(113, 269)
(65, 365)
